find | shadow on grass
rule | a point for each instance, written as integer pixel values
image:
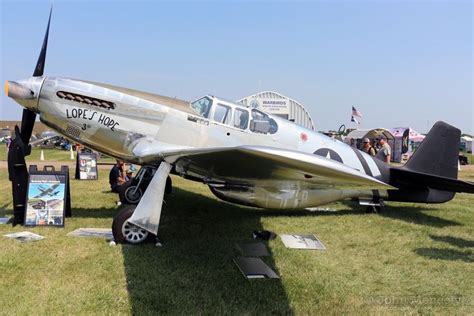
(410, 214)
(4, 211)
(416, 215)
(455, 241)
(102, 212)
(446, 254)
(194, 271)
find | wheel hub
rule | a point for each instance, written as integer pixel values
(133, 194)
(134, 234)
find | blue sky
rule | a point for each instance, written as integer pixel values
(400, 63)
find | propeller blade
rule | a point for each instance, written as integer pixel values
(29, 117)
(27, 123)
(39, 69)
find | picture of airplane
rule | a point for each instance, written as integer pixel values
(53, 204)
(39, 205)
(47, 191)
(244, 155)
(45, 212)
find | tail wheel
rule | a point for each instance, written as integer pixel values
(125, 232)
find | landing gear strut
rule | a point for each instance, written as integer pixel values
(373, 209)
(135, 224)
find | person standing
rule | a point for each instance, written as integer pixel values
(367, 147)
(385, 152)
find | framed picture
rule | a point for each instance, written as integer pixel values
(87, 166)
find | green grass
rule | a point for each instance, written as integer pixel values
(410, 259)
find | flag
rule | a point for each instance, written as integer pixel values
(356, 113)
(353, 119)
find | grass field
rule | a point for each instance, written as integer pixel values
(409, 259)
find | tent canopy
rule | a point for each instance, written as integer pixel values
(370, 133)
(414, 135)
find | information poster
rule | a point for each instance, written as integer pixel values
(46, 199)
(87, 164)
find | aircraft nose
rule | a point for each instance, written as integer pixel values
(17, 90)
(24, 92)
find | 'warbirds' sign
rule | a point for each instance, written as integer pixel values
(272, 106)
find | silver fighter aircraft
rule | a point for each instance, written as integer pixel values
(244, 155)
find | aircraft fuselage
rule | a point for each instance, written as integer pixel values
(110, 119)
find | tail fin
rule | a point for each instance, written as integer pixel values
(430, 176)
(438, 153)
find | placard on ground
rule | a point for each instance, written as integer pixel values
(255, 268)
(92, 232)
(24, 236)
(307, 241)
(253, 249)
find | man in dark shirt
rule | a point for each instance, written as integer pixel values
(116, 178)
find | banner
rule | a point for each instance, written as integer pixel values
(405, 140)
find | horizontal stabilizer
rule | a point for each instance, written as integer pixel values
(403, 178)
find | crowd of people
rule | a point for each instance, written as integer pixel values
(381, 149)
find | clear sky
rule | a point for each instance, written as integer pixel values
(400, 63)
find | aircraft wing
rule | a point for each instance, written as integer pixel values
(38, 141)
(261, 165)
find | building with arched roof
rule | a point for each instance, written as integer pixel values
(278, 104)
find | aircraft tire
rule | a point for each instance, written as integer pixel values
(121, 190)
(127, 196)
(125, 232)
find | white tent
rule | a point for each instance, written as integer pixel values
(466, 143)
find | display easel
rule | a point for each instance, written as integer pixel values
(18, 175)
(50, 170)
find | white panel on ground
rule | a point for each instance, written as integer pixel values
(302, 242)
(92, 232)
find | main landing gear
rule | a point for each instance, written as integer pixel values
(136, 224)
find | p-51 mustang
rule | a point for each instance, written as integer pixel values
(245, 156)
(47, 191)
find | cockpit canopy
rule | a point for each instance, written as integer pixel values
(202, 106)
(234, 115)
